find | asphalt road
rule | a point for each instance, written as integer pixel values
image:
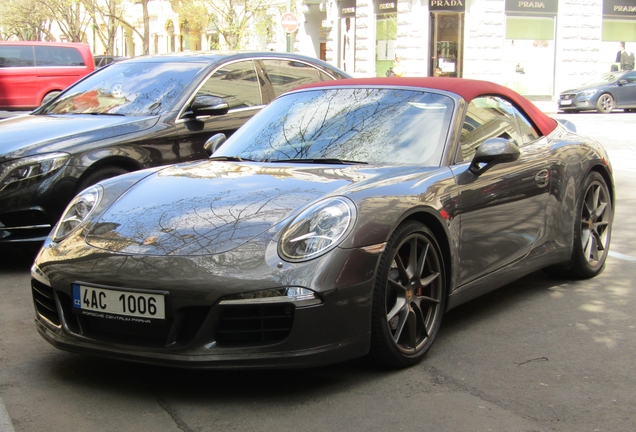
(540, 354)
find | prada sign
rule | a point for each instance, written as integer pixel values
(385, 6)
(532, 7)
(447, 5)
(620, 8)
(347, 8)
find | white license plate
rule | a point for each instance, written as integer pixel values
(566, 102)
(126, 303)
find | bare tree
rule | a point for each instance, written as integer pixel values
(25, 20)
(234, 19)
(106, 15)
(70, 16)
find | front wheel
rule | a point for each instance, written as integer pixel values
(99, 175)
(605, 103)
(409, 297)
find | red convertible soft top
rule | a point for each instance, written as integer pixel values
(466, 88)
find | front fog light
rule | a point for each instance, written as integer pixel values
(301, 297)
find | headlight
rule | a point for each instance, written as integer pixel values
(317, 230)
(78, 211)
(30, 167)
(588, 92)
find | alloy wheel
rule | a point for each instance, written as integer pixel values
(595, 223)
(414, 294)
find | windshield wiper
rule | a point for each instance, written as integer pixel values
(320, 161)
(230, 159)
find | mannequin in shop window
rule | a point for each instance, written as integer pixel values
(625, 58)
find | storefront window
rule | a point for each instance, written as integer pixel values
(385, 42)
(615, 31)
(529, 52)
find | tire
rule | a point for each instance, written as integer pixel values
(408, 303)
(49, 96)
(605, 103)
(592, 230)
(99, 175)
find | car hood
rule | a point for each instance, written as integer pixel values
(213, 207)
(36, 134)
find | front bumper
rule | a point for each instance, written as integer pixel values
(193, 335)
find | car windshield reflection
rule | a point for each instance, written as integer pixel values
(130, 89)
(375, 126)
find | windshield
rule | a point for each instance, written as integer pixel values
(606, 78)
(370, 125)
(130, 89)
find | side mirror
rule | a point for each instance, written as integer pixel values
(213, 143)
(622, 82)
(494, 151)
(209, 105)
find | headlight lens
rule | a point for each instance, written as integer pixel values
(317, 230)
(589, 92)
(78, 211)
(30, 167)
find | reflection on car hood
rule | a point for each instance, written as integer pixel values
(213, 207)
(31, 134)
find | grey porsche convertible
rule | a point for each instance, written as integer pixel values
(341, 221)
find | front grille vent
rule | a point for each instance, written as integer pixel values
(44, 301)
(568, 96)
(254, 324)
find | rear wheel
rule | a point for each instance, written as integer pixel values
(49, 96)
(605, 103)
(409, 297)
(592, 230)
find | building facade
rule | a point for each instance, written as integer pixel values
(538, 48)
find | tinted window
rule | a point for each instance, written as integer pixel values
(237, 83)
(630, 77)
(383, 126)
(58, 56)
(16, 56)
(286, 75)
(492, 117)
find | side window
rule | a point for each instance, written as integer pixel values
(286, 75)
(493, 117)
(630, 78)
(487, 117)
(528, 132)
(16, 56)
(58, 56)
(237, 83)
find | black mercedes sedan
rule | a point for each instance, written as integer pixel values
(130, 115)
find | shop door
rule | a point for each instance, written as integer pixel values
(447, 51)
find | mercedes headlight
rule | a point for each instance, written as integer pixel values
(30, 167)
(78, 211)
(589, 92)
(317, 230)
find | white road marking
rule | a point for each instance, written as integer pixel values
(621, 256)
(5, 420)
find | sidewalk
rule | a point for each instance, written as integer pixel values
(548, 107)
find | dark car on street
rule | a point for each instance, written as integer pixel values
(130, 115)
(344, 219)
(603, 93)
